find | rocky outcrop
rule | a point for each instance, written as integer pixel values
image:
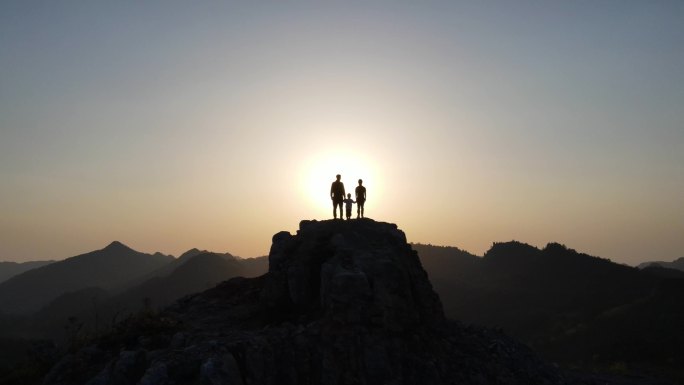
(359, 272)
(344, 302)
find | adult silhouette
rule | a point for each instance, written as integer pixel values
(360, 198)
(337, 195)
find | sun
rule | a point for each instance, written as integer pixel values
(319, 171)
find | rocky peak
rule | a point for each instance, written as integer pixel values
(117, 246)
(191, 253)
(354, 271)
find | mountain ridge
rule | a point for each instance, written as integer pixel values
(10, 269)
(559, 301)
(677, 264)
(32, 289)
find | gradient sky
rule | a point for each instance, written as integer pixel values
(169, 125)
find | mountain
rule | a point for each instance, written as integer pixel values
(10, 269)
(677, 264)
(531, 291)
(108, 269)
(254, 267)
(663, 272)
(165, 269)
(343, 302)
(188, 274)
(81, 306)
(446, 267)
(574, 308)
(645, 334)
(95, 309)
(177, 262)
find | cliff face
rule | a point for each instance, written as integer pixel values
(357, 273)
(344, 302)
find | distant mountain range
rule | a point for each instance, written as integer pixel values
(677, 264)
(575, 308)
(10, 269)
(109, 269)
(97, 289)
(190, 275)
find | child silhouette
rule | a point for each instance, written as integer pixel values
(348, 205)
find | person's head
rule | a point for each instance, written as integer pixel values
(360, 182)
(348, 195)
(338, 176)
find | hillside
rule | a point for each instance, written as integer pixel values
(575, 308)
(165, 269)
(188, 275)
(108, 269)
(96, 310)
(677, 264)
(10, 269)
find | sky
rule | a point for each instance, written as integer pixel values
(169, 125)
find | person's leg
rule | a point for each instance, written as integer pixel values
(334, 209)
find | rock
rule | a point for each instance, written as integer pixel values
(76, 368)
(281, 242)
(329, 263)
(178, 341)
(157, 374)
(124, 370)
(221, 370)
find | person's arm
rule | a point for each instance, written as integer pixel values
(332, 188)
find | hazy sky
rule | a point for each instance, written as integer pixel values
(169, 125)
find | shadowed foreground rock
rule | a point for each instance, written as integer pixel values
(344, 302)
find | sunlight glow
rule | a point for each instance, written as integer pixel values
(318, 173)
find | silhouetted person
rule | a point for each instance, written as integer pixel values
(360, 198)
(337, 196)
(348, 205)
